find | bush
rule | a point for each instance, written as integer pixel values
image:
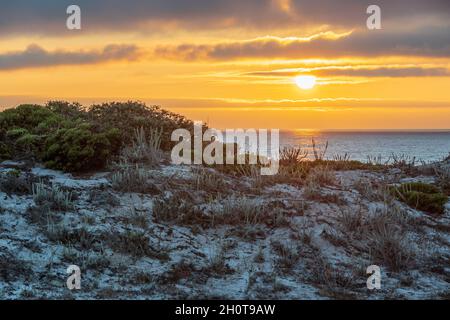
(129, 116)
(422, 196)
(432, 203)
(80, 148)
(70, 137)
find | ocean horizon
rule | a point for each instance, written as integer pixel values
(380, 145)
(424, 145)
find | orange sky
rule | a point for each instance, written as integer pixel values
(241, 74)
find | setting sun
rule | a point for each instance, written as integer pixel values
(305, 82)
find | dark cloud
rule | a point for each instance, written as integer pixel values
(34, 56)
(47, 17)
(422, 42)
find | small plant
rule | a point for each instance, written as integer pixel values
(321, 176)
(292, 155)
(443, 179)
(288, 255)
(389, 247)
(144, 149)
(208, 180)
(132, 178)
(238, 211)
(333, 281)
(53, 195)
(375, 160)
(79, 238)
(319, 153)
(136, 244)
(403, 162)
(181, 211)
(42, 214)
(217, 263)
(259, 256)
(14, 182)
(341, 157)
(351, 220)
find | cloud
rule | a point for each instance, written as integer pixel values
(47, 17)
(356, 71)
(35, 56)
(434, 42)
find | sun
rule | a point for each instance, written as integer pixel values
(305, 82)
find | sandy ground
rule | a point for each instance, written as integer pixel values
(294, 245)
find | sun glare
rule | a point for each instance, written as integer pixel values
(305, 82)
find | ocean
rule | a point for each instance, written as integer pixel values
(380, 146)
(425, 146)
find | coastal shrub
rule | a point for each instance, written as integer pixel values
(421, 196)
(131, 115)
(69, 137)
(80, 148)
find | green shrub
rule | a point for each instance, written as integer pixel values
(129, 116)
(80, 148)
(433, 203)
(422, 196)
(420, 187)
(70, 137)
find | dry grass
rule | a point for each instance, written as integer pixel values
(209, 180)
(11, 268)
(239, 211)
(389, 247)
(179, 210)
(321, 176)
(53, 195)
(319, 152)
(136, 244)
(350, 219)
(14, 182)
(292, 155)
(79, 238)
(334, 282)
(404, 162)
(132, 178)
(288, 255)
(144, 149)
(443, 179)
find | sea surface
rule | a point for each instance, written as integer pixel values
(378, 146)
(425, 146)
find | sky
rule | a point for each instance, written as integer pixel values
(233, 63)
